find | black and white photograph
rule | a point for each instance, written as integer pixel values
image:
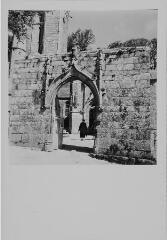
(83, 119)
(82, 86)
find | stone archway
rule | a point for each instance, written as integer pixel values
(72, 74)
(56, 121)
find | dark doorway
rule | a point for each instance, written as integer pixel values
(79, 108)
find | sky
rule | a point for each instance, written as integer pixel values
(110, 26)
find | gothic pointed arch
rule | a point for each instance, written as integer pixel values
(73, 73)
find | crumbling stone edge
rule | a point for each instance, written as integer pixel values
(124, 160)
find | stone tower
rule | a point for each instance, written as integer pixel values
(48, 35)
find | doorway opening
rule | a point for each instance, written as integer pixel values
(73, 98)
(77, 109)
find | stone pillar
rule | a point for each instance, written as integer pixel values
(19, 49)
(153, 116)
(76, 120)
(77, 108)
(83, 100)
(100, 76)
(35, 36)
(28, 40)
(51, 32)
(55, 133)
(63, 32)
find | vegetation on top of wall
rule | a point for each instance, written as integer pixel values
(139, 42)
(18, 20)
(82, 38)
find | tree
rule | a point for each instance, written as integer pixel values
(18, 20)
(82, 38)
(17, 25)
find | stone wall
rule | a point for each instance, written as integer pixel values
(28, 82)
(53, 39)
(25, 122)
(51, 32)
(128, 102)
(126, 123)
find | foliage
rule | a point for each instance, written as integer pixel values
(10, 43)
(17, 21)
(17, 25)
(115, 44)
(139, 42)
(153, 53)
(134, 43)
(82, 38)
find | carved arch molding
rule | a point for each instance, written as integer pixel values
(70, 75)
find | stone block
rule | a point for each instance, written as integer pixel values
(142, 66)
(115, 117)
(127, 82)
(110, 72)
(138, 154)
(111, 67)
(27, 111)
(130, 108)
(126, 92)
(113, 125)
(120, 66)
(141, 92)
(15, 137)
(113, 84)
(115, 92)
(141, 101)
(144, 108)
(114, 108)
(132, 60)
(20, 64)
(142, 145)
(35, 140)
(24, 128)
(107, 78)
(22, 93)
(129, 66)
(144, 70)
(142, 83)
(143, 134)
(22, 86)
(25, 138)
(115, 132)
(153, 122)
(21, 100)
(130, 73)
(127, 101)
(14, 129)
(34, 86)
(27, 118)
(14, 118)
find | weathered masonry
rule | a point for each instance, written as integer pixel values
(124, 93)
(48, 35)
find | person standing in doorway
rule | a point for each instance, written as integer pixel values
(82, 129)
